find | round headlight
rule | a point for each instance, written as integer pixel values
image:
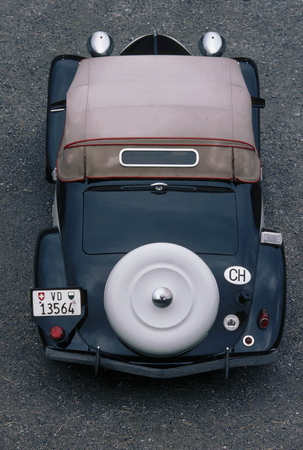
(212, 44)
(100, 44)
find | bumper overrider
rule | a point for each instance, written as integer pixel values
(222, 362)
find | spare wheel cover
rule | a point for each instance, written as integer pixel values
(161, 299)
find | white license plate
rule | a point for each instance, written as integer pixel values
(56, 302)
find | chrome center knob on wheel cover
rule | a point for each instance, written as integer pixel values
(161, 299)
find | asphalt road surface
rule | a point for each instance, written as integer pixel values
(51, 405)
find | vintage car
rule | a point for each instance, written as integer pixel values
(158, 262)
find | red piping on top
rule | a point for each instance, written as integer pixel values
(245, 145)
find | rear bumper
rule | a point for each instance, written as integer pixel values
(171, 372)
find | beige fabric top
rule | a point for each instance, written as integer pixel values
(185, 101)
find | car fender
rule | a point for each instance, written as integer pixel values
(269, 293)
(49, 267)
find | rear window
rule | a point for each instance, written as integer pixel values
(135, 157)
(118, 219)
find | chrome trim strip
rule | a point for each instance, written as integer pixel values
(58, 106)
(158, 150)
(54, 110)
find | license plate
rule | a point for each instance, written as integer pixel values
(56, 302)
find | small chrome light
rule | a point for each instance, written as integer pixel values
(248, 340)
(100, 44)
(212, 44)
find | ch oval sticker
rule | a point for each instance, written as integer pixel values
(237, 275)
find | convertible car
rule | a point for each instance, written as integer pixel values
(158, 262)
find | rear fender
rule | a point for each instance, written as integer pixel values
(269, 293)
(49, 262)
(50, 274)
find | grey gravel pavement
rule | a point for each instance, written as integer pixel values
(49, 405)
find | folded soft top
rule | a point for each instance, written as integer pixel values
(153, 101)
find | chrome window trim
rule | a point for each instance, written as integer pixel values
(158, 150)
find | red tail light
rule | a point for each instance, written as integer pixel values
(263, 320)
(57, 333)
